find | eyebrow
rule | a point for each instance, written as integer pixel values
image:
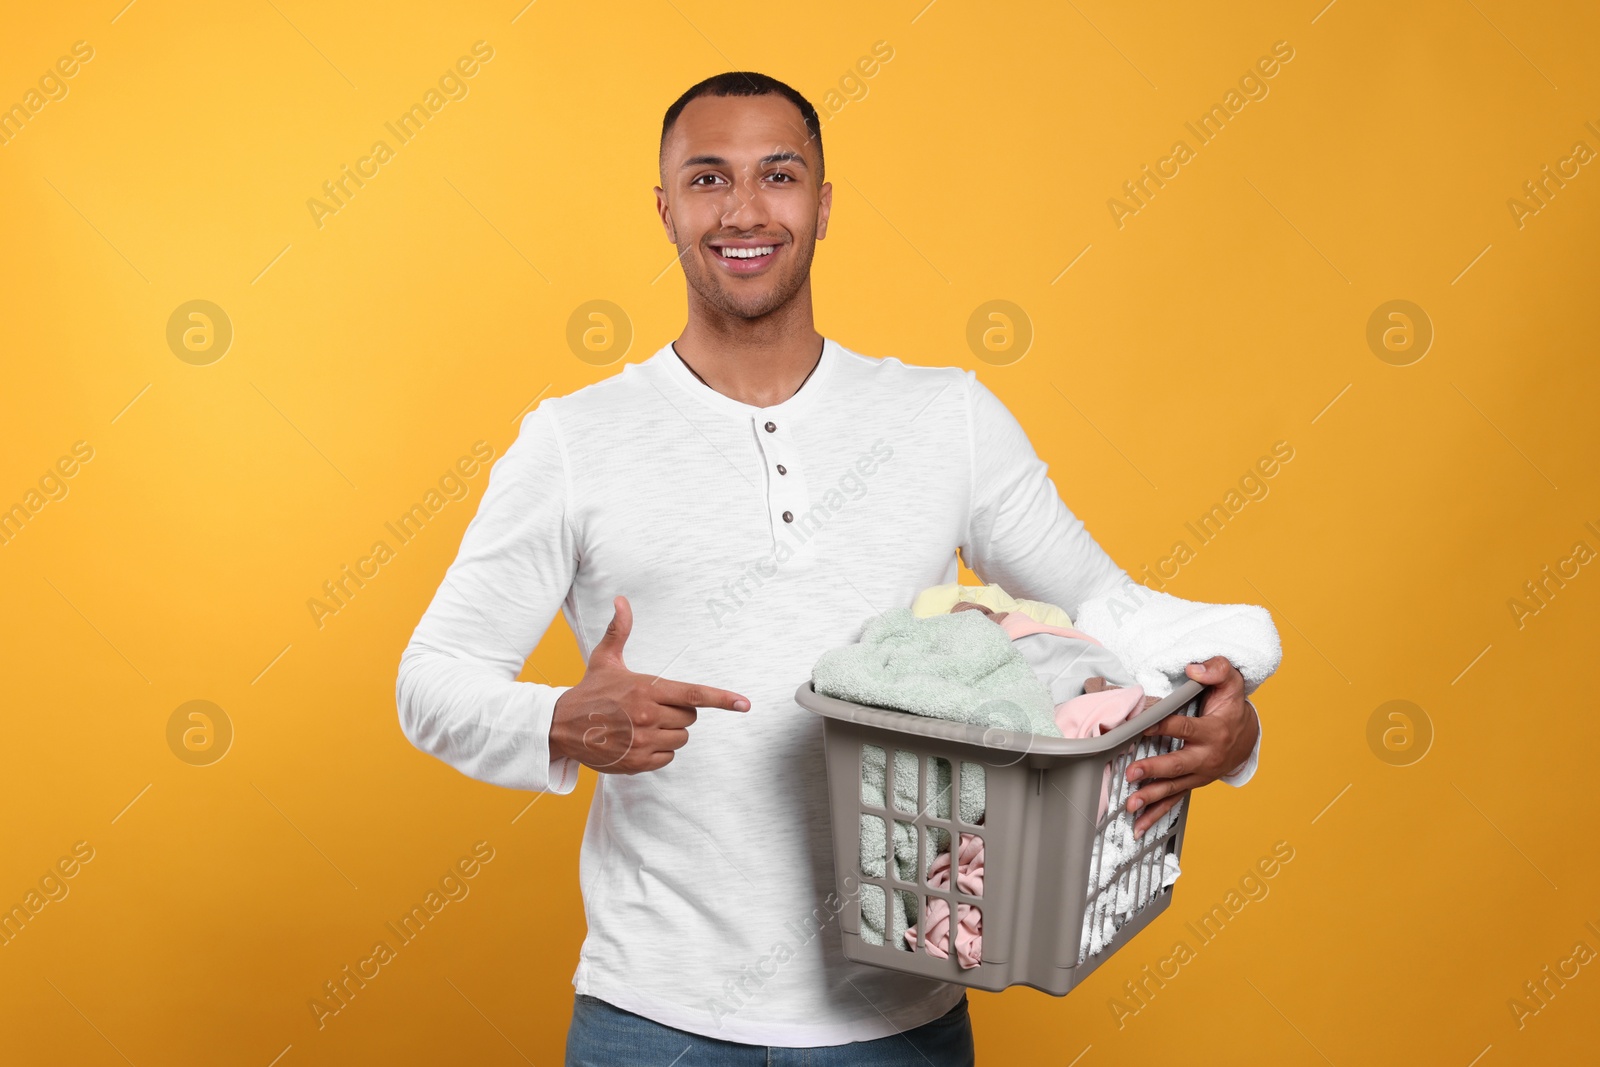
(718, 161)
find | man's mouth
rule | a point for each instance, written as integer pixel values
(735, 252)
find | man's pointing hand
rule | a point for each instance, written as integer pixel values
(620, 722)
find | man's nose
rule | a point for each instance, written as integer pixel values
(744, 210)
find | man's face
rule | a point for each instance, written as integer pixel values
(739, 176)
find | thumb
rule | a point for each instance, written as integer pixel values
(609, 650)
(1209, 672)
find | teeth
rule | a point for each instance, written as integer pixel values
(746, 253)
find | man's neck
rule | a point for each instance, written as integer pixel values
(759, 362)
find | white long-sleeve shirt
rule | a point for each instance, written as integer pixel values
(748, 541)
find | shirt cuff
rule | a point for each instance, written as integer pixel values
(1246, 770)
(562, 775)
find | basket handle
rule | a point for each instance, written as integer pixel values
(902, 722)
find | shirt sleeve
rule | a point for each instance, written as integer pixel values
(1020, 535)
(457, 692)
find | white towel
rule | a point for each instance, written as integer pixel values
(1135, 886)
(1159, 635)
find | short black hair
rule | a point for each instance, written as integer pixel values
(747, 83)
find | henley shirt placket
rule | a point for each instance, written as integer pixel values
(787, 499)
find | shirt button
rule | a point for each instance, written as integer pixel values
(782, 469)
(788, 516)
(771, 428)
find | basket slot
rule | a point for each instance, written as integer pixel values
(905, 781)
(934, 936)
(905, 833)
(937, 800)
(935, 840)
(872, 902)
(872, 792)
(873, 829)
(971, 777)
(907, 902)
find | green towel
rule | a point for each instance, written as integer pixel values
(943, 666)
(960, 667)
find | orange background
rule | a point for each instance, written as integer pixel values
(369, 353)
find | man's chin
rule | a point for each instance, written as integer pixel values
(746, 305)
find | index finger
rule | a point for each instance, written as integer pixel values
(688, 694)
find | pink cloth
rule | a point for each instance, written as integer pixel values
(1093, 714)
(935, 924)
(1020, 624)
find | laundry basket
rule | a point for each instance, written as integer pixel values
(1041, 837)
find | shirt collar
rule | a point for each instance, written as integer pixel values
(674, 368)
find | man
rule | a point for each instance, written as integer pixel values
(724, 512)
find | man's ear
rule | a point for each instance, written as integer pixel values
(824, 205)
(666, 215)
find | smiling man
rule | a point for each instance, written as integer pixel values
(729, 509)
(746, 229)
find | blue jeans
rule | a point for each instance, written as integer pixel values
(603, 1035)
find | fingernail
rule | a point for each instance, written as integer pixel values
(1135, 774)
(741, 705)
(1137, 804)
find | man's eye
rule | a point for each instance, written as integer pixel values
(782, 174)
(699, 179)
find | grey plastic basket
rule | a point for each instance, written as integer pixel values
(1039, 834)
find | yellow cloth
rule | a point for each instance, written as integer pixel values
(939, 599)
